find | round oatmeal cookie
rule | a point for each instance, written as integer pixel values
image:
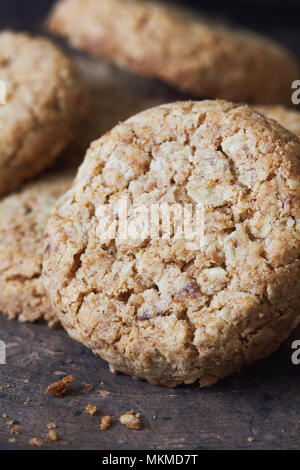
(197, 56)
(160, 307)
(23, 218)
(45, 99)
(288, 118)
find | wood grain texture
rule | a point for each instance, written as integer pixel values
(261, 402)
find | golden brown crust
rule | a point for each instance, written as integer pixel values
(153, 308)
(182, 49)
(45, 100)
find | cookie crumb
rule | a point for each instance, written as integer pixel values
(104, 393)
(131, 420)
(51, 425)
(105, 423)
(4, 416)
(15, 430)
(90, 410)
(87, 387)
(28, 400)
(4, 387)
(34, 441)
(12, 440)
(250, 439)
(51, 436)
(61, 387)
(10, 423)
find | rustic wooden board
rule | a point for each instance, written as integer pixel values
(262, 402)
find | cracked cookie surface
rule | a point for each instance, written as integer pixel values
(288, 118)
(179, 47)
(116, 95)
(45, 99)
(157, 309)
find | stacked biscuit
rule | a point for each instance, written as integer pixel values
(154, 308)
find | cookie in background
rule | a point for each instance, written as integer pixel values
(23, 217)
(45, 100)
(178, 46)
(115, 96)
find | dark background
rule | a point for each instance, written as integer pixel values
(276, 18)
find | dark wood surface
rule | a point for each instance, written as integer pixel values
(261, 402)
